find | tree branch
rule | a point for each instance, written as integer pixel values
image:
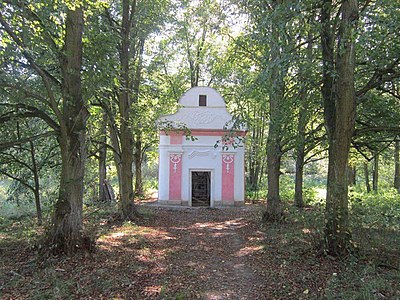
(41, 72)
(379, 77)
(25, 91)
(6, 145)
(31, 112)
(360, 131)
(17, 179)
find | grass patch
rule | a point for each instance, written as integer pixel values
(374, 273)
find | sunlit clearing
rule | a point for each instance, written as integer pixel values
(249, 250)
(153, 289)
(118, 234)
(236, 223)
(321, 193)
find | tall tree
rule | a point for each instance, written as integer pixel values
(63, 99)
(102, 152)
(126, 26)
(66, 232)
(128, 209)
(307, 135)
(339, 102)
(277, 71)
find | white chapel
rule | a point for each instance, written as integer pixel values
(208, 169)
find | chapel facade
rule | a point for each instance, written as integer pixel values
(207, 167)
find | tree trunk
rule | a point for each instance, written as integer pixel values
(366, 175)
(138, 156)
(255, 158)
(116, 150)
(138, 167)
(274, 206)
(102, 162)
(375, 173)
(36, 189)
(351, 175)
(127, 207)
(339, 103)
(274, 154)
(300, 151)
(66, 232)
(397, 166)
(301, 133)
(298, 188)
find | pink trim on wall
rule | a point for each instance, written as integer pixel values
(175, 138)
(228, 177)
(205, 132)
(175, 176)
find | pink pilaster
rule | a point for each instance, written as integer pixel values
(175, 176)
(228, 178)
(175, 138)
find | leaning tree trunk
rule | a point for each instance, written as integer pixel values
(375, 173)
(66, 232)
(340, 120)
(138, 167)
(300, 149)
(114, 137)
(255, 159)
(366, 176)
(102, 162)
(36, 190)
(298, 187)
(397, 166)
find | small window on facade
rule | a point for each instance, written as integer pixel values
(202, 100)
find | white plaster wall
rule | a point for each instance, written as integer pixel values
(193, 116)
(199, 155)
(239, 193)
(191, 97)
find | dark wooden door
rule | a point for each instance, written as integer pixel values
(201, 182)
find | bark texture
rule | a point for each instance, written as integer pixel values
(300, 148)
(375, 173)
(351, 175)
(127, 207)
(102, 161)
(66, 232)
(339, 104)
(366, 176)
(397, 166)
(298, 184)
(36, 190)
(138, 167)
(274, 153)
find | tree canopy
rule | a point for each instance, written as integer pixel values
(83, 82)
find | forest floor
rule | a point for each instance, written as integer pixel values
(191, 254)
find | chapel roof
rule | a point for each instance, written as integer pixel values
(195, 115)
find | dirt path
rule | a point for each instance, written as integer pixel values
(188, 254)
(210, 253)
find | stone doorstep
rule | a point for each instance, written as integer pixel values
(178, 204)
